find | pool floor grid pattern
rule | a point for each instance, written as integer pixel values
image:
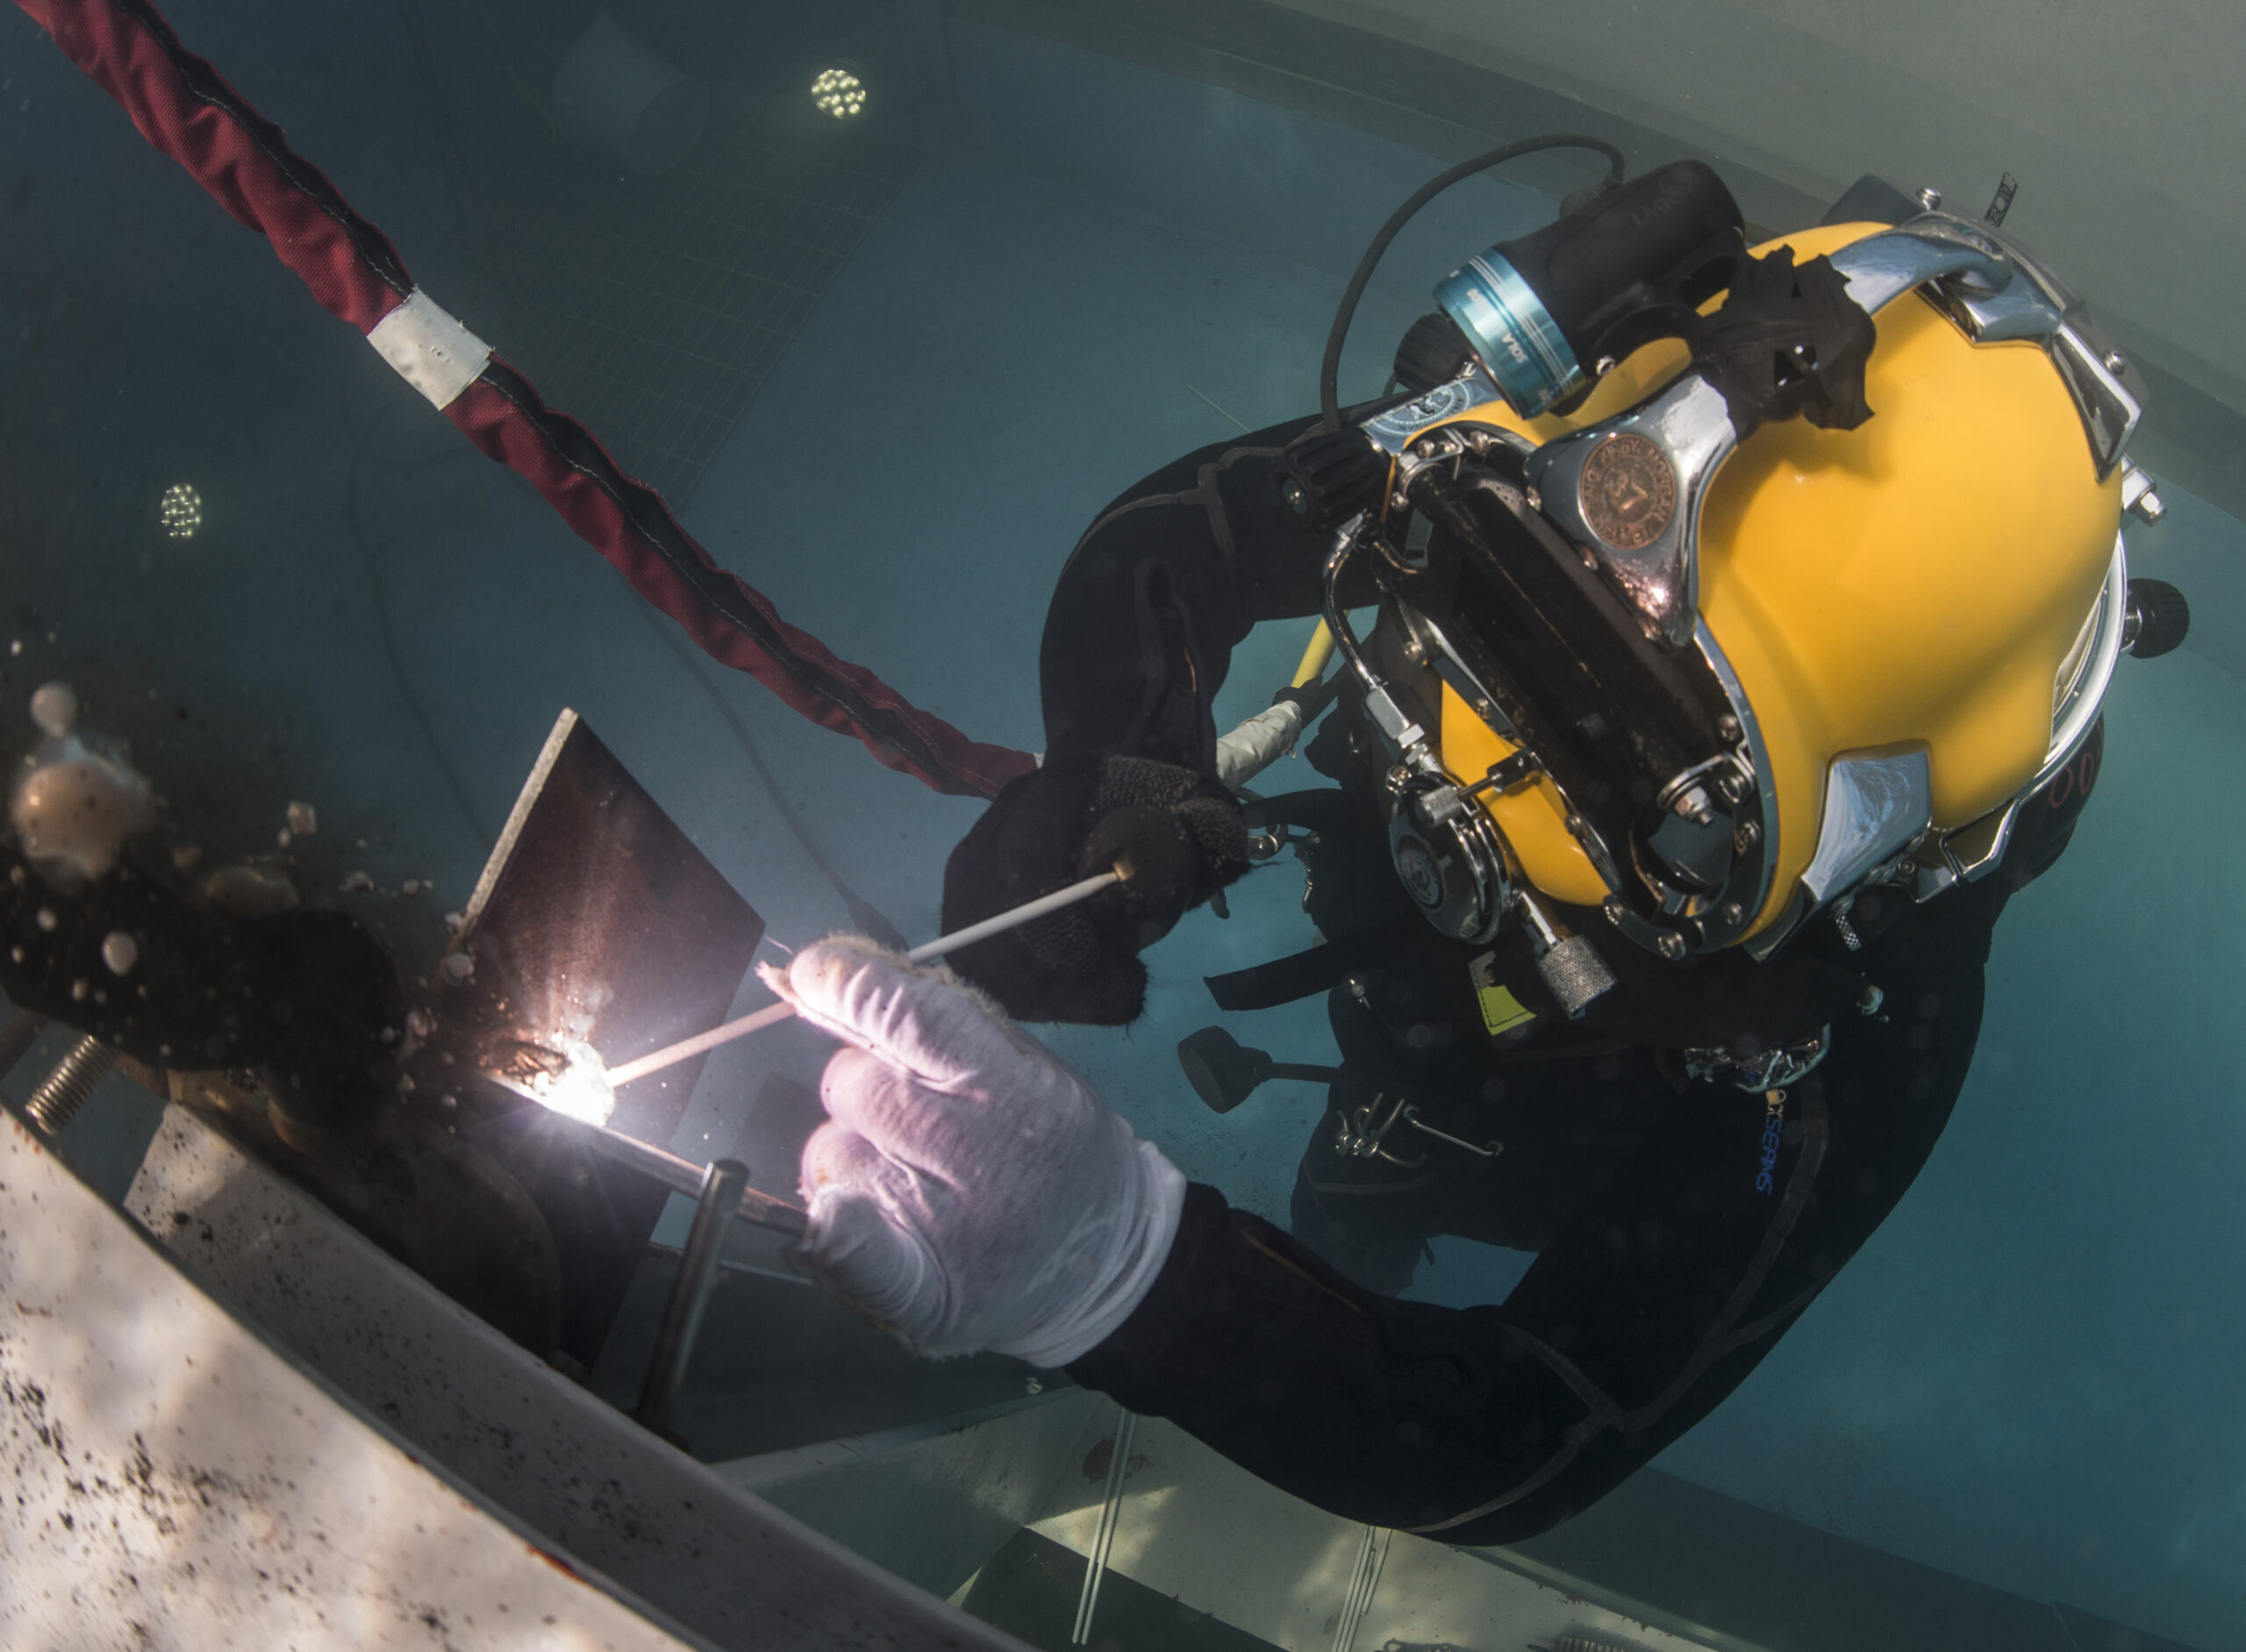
(652, 308)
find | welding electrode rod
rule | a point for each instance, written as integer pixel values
(685, 1175)
(773, 1013)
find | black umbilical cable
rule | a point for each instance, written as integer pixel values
(1329, 372)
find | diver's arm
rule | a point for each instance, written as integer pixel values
(1491, 1424)
(1137, 643)
(1159, 591)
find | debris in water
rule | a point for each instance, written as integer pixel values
(120, 952)
(411, 886)
(304, 819)
(419, 1023)
(458, 966)
(55, 708)
(186, 858)
(281, 838)
(78, 990)
(246, 891)
(357, 883)
(77, 799)
(452, 921)
(47, 919)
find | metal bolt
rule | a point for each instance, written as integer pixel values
(1731, 913)
(1748, 835)
(1727, 725)
(1672, 947)
(1575, 825)
(1930, 198)
(2150, 505)
(1869, 1000)
(2114, 362)
(65, 1089)
(1033, 1386)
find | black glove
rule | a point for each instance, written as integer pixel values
(1180, 835)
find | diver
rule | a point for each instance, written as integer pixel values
(1722, 693)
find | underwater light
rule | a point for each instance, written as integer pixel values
(182, 510)
(838, 93)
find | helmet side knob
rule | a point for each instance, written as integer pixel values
(2158, 619)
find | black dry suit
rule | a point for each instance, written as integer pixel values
(1680, 1226)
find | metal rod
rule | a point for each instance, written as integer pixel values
(66, 1085)
(18, 1037)
(1104, 1540)
(773, 1013)
(690, 1293)
(1371, 1552)
(685, 1175)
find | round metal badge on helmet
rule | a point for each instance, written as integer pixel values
(1627, 491)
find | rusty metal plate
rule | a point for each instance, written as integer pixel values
(595, 919)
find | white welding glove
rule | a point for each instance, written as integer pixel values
(969, 1191)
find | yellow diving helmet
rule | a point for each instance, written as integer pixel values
(1658, 658)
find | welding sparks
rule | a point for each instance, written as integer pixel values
(580, 1089)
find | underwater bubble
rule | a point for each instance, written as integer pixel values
(304, 819)
(47, 919)
(458, 966)
(75, 804)
(78, 990)
(411, 886)
(357, 883)
(419, 1023)
(247, 891)
(186, 858)
(120, 952)
(55, 708)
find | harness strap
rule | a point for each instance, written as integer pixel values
(1298, 976)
